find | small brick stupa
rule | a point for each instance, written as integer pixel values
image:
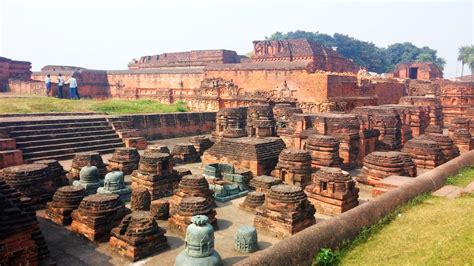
(187, 208)
(463, 140)
(65, 201)
(140, 200)
(450, 151)
(424, 153)
(333, 191)
(97, 215)
(263, 183)
(201, 143)
(125, 160)
(57, 172)
(324, 151)
(192, 186)
(157, 148)
(86, 159)
(286, 211)
(458, 123)
(253, 200)
(294, 167)
(184, 153)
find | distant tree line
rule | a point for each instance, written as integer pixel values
(367, 54)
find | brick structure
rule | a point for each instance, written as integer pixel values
(31, 180)
(258, 155)
(324, 151)
(160, 209)
(184, 153)
(57, 172)
(286, 211)
(21, 238)
(411, 116)
(97, 215)
(456, 99)
(155, 172)
(379, 165)
(333, 191)
(65, 201)
(138, 143)
(157, 148)
(12, 69)
(140, 200)
(263, 183)
(260, 121)
(433, 129)
(463, 140)
(458, 122)
(192, 186)
(231, 123)
(390, 183)
(294, 167)
(9, 154)
(201, 143)
(283, 113)
(431, 105)
(448, 148)
(187, 208)
(418, 70)
(253, 200)
(138, 236)
(124, 160)
(424, 153)
(86, 159)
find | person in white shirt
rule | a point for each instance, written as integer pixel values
(48, 84)
(60, 86)
(73, 93)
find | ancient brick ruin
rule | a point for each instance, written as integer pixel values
(189, 207)
(65, 200)
(125, 160)
(294, 167)
(192, 186)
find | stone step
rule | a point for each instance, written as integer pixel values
(52, 121)
(57, 126)
(63, 154)
(449, 191)
(28, 138)
(64, 145)
(16, 134)
(48, 140)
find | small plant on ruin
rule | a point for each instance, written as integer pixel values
(326, 257)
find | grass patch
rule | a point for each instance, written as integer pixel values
(46, 105)
(463, 178)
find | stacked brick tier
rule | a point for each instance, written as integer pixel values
(433, 129)
(87, 159)
(140, 200)
(138, 236)
(333, 191)
(450, 151)
(286, 211)
(253, 200)
(409, 165)
(157, 148)
(263, 183)
(463, 140)
(413, 117)
(125, 160)
(379, 165)
(260, 121)
(9, 154)
(324, 151)
(184, 153)
(201, 143)
(20, 236)
(258, 155)
(294, 167)
(230, 122)
(97, 215)
(65, 201)
(155, 173)
(160, 209)
(432, 106)
(189, 207)
(282, 114)
(57, 172)
(458, 122)
(31, 180)
(192, 186)
(424, 153)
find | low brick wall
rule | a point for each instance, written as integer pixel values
(301, 248)
(159, 126)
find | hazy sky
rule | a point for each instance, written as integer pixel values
(108, 34)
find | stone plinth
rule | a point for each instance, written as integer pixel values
(140, 200)
(286, 211)
(138, 236)
(65, 200)
(246, 240)
(125, 160)
(155, 172)
(463, 140)
(192, 186)
(114, 183)
(184, 153)
(58, 174)
(294, 167)
(389, 183)
(333, 191)
(135, 142)
(157, 148)
(448, 148)
(263, 183)
(97, 215)
(160, 209)
(253, 200)
(424, 153)
(187, 208)
(379, 165)
(89, 179)
(324, 151)
(201, 143)
(31, 180)
(86, 159)
(21, 240)
(260, 121)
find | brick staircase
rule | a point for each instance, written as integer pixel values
(61, 137)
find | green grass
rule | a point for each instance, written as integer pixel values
(426, 231)
(45, 104)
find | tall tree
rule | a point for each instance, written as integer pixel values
(466, 56)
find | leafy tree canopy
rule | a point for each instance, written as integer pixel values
(367, 54)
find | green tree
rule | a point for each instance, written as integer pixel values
(466, 56)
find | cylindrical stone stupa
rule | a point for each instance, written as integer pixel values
(324, 151)
(125, 160)
(65, 200)
(87, 159)
(246, 240)
(89, 179)
(294, 167)
(114, 183)
(199, 244)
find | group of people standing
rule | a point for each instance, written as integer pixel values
(73, 91)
